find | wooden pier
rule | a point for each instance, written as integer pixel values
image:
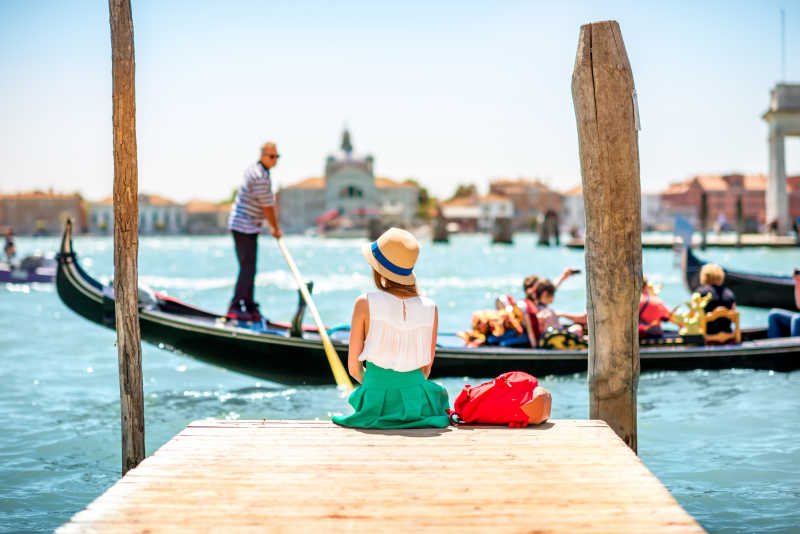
(312, 476)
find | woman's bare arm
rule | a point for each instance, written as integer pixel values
(359, 326)
(427, 369)
(526, 321)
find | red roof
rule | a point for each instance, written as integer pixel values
(385, 183)
(200, 206)
(461, 201)
(39, 195)
(494, 197)
(717, 182)
(308, 183)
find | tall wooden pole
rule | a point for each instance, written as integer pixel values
(126, 235)
(703, 219)
(605, 110)
(739, 221)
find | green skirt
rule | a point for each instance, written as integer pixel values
(390, 399)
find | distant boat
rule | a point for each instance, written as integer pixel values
(30, 269)
(269, 350)
(750, 289)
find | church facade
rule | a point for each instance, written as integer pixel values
(349, 194)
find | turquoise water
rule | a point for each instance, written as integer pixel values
(725, 443)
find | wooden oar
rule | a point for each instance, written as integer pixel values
(339, 374)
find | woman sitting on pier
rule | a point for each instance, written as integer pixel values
(393, 332)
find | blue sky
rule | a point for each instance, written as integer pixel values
(445, 92)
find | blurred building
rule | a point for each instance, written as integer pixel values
(530, 198)
(655, 217)
(42, 213)
(203, 217)
(348, 191)
(476, 213)
(157, 215)
(461, 213)
(722, 193)
(573, 216)
(494, 206)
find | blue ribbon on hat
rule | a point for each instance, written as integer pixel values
(396, 269)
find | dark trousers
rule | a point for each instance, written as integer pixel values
(781, 323)
(246, 248)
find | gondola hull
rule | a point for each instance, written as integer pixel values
(757, 290)
(268, 351)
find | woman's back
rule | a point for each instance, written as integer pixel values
(400, 331)
(720, 296)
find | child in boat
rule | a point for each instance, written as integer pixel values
(392, 344)
(545, 292)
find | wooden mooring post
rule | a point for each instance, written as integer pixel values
(739, 221)
(703, 220)
(605, 110)
(126, 235)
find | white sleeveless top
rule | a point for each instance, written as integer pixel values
(395, 341)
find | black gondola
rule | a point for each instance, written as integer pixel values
(757, 290)
(268, 350)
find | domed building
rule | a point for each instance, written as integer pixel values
(349, 194)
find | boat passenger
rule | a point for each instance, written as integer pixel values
(393, 343)
(528, 303)
(652, 312)
(529, 310)
(711, 279)
(545, 292)
(253, 204)
(781, 323)
(10, 248)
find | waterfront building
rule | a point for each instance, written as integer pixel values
(654, 215)
(722, 194)
(348, 190)
(157, 215)
(530, 199)
(474, 213)
(203, 217)
(461, 213)
(493, 207)
(573, 216)
(42, 213)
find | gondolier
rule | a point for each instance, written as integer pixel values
(254, 203)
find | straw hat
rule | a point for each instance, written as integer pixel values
(393, 255)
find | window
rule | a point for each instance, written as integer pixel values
(351, 191)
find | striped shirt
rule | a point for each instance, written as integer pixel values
(247, 213)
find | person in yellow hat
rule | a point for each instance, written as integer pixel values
(392, 344)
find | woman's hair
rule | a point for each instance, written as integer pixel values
(712, 274)
(529, 282)
(400, 290)
(544, 286)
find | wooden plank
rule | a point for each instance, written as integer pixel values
(292, 476)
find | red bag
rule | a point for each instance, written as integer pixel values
(497, 402)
